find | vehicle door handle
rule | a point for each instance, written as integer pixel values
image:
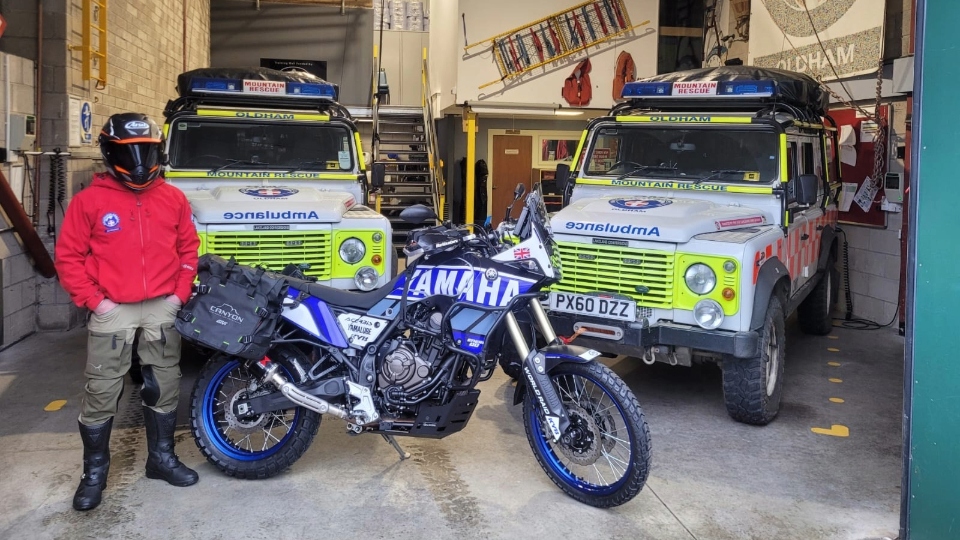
(805, 236)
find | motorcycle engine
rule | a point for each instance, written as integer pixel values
(403, 367)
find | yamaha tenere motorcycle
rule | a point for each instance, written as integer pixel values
(405, 360)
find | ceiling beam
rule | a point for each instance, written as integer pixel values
(347, 3)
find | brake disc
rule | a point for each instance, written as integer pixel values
(584, 449)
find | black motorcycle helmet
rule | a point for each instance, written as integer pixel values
(132, 149)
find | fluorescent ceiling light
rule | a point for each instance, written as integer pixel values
(523, 112)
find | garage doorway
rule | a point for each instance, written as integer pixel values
(512, 164)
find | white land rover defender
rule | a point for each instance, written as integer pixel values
(273, 169)
(701, 213)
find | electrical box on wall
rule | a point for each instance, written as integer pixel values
(23, 132)
(893, 187)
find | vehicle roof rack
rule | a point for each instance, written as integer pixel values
(257, 87)
(728, 88)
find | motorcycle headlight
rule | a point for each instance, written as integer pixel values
(708, 314)
(700, 278)
(366, 279)
(352, 250)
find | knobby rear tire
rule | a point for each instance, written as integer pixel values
(219, 443)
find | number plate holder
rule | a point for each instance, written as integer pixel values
(604, 307)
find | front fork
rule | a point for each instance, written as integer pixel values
(534, 369)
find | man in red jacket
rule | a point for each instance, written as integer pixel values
(128, 252)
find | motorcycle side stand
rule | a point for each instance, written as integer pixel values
(396, 446)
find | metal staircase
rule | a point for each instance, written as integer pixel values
(404, 140)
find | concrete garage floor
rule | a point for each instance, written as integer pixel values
(711, 478)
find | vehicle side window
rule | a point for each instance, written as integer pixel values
(791, 160)
(809, 162)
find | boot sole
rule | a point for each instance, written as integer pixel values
(103, 488)
(153, 475)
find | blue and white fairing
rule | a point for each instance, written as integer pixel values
(466, 279)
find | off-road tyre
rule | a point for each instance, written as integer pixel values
(212, 444)
(815, 313)
(637, 433)
(748, 392)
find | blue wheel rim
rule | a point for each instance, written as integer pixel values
(218, 438)
(555, 462)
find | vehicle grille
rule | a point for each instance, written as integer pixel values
(276, 250)
(590, 268)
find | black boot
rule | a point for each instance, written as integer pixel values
(96, 465)
(162, 463)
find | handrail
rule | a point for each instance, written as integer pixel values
(433, 146)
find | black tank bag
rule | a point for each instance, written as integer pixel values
(236, 308)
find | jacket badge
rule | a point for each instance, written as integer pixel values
(112, 222)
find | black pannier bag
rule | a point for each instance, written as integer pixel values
(235, 310)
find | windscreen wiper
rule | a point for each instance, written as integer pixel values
(303, 164)
(718, 173)
(232, 162)
(644, 168)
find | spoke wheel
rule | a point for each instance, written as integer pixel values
(603, 458)
(256, 446)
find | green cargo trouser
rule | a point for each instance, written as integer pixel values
(110, 346)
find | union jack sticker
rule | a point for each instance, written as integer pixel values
(521, 253)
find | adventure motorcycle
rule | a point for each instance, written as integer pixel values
(405, 360)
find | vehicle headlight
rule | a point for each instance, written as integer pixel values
(708, 314)
(352, 250)
(700, 278)
(366, 279)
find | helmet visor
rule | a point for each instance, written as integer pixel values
(128, 156)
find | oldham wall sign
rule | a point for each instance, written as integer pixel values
(782, 36)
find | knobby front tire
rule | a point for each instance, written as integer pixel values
(603, 459)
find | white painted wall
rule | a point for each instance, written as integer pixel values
(445, 31)
(487, 18)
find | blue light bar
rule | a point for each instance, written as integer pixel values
(317, 91)
(646, 89)
(312, 90)
(698, 89)
(746, 88)
(216, 85)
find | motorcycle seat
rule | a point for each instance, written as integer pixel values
(341, 298)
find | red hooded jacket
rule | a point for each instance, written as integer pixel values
(125, 245)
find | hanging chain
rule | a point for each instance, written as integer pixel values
(879, 141)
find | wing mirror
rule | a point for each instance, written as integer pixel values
(803, 189)
(417, 214)
(562, 176)
(378, 176)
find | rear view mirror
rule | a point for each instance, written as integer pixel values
(562, 176)
(804, 189)
(378, 177)
(683, 147)
(417, 214)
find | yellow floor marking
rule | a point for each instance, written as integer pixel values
(835, 430)
(833, 349)
(836, 380)
(55, 405)
(833, 337)
(836, 400)
(834, 364)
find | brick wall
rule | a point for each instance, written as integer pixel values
(18, 279)
(146, 51)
